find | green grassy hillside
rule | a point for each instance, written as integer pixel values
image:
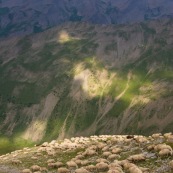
(81, 79)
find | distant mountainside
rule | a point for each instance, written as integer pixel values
(19, 16)
(82, 79)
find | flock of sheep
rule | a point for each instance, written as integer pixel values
(104, 153)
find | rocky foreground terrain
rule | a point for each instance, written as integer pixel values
(104, 153)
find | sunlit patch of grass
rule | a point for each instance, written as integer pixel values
(14, 143)
(93, 63)
(64, 37)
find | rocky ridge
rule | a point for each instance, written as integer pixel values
(22, 17)
(104, 153)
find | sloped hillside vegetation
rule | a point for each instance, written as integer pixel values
(82, 79)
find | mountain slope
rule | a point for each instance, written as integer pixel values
(21, 17)
(82, 79)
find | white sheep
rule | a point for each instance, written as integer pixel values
(151, 147)
(114, 164)
(156, 135)
(113, 156)
(116, 150)
(170, 139)
(114, 171)
(126, 164)
(71, 164)
(101, 160)
(44, 169)
(81, 170)
(145, 170)
(80, 156)
(55, 165)
(141, 139)
(35, 168)
(34, 158)
(137, 157)
(106, 148)
(165, 152)
(16, 162)
(63, 170)
(90, 152)
(166, 135)
(51, 161)
(106, 154)
(134, 169)
(162, 146)
(101, 145)
(26, 171)
(102, 166)
(117, 168)
(78, 162)
(91, 168)
(84, 162)
(171, 164)
(58, 164)
(45, 144)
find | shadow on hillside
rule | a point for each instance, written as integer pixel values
(87, 90)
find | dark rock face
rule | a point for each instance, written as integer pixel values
(19, 16)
